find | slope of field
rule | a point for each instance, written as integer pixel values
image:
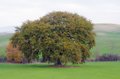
(107, 42)
(4, 39)
(107, 39)
(97, 70)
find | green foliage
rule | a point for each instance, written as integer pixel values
(61, 37)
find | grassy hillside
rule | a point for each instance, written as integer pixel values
(107, 39)
(4, 39)
(97, 70)
(107, 42)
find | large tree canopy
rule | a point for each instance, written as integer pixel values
(60, 37)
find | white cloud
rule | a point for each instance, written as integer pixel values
(14, 12)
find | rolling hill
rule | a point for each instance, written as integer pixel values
(4, 39)
(106, 28)
(107, 39)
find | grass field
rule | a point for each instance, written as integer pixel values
(93, 70)
(107, 42)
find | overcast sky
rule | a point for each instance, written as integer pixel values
(15, 12)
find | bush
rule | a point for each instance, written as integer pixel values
(14, 55)
(2, 59)
(108, 57)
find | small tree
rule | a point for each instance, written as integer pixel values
(61, 37)
(14, 54)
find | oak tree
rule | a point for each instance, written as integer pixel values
(60, 37)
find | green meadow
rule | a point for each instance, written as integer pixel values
(92, 70)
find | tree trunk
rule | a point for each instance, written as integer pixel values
(29, 60)
(58, 63)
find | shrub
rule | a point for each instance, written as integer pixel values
(108, 57)
(14, 54)
(2, 59)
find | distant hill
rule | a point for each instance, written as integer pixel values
(5, 33)
(4, 40)
(107, 39)
(106, 28)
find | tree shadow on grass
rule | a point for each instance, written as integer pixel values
(39, 65)
(51, 66)
(46, 65)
